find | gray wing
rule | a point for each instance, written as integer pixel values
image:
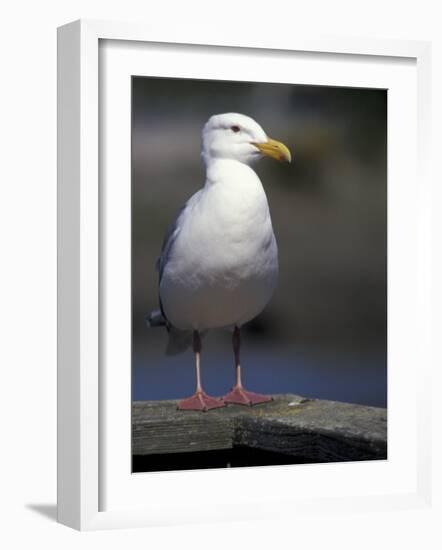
(171, 235)
(168, 242)
(166, 250)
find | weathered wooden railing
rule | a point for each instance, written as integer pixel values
(301, 429)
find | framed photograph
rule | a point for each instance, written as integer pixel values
(243, 276)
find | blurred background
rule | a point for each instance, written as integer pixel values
(324, 332)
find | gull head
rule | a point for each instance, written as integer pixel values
(238, 137)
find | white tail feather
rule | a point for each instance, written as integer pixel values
(179, 341)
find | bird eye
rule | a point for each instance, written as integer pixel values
(235, 129)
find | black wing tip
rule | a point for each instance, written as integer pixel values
(155, 319)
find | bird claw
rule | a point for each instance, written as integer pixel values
(200, 401)
(240, 396)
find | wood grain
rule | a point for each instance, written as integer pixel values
(317, 430)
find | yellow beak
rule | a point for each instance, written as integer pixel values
(274, 149)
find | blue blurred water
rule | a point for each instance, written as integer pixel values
(341, 376)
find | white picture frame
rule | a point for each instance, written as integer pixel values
(79, 275)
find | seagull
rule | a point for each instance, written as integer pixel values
(218, 266)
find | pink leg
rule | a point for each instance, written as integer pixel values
(238, 395)
(199, 401)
